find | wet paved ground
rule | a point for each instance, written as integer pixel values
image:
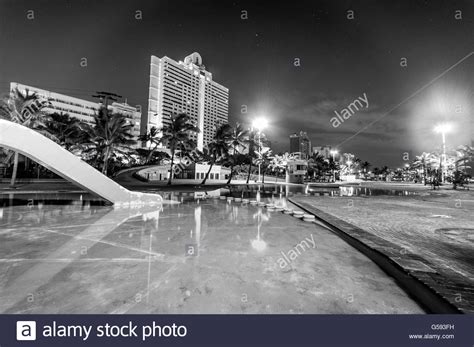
(93, 259)
(431, 236)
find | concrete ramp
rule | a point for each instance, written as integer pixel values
(57, 159)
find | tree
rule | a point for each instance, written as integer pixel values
(425, 161)
(67, 130)
(264, 159)
(251, 156)
(237, 141)
(25, 109)
(317, 163)
(365, 166)
(333, 166)
(218, 148)
(350, 162)
(278, 164)
(464, 154)
(153, 138)
(110, 134)
(384, 171)
(176, 135)
(156, 158)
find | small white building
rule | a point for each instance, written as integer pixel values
(217, 172)
(296, 170)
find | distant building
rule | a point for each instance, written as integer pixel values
(186, 86)
(325, 151)
(129, 112)
(81, 109)
(300, 143)
(294, 143)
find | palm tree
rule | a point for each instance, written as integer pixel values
(318, 162)
(237, 141)
(278, 163)
(426, 161)
(384, 171)
(365, 166)
(25, 109)
(218, 147)
(252, 144)
(110, 134)
(333, 166)
(153, 137)
(264, 159)
(357, 164)
(349, 163)
(464, 154)
(67, 130)
(176, 135)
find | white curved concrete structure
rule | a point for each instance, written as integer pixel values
(57, 159)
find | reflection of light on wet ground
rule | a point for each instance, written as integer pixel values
(86, 258)
(78, 241)
(258, 244)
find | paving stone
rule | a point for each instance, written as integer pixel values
(441, 258)
(413, 265)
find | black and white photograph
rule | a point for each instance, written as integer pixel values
(237, 157)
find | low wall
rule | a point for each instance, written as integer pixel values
(34, 180)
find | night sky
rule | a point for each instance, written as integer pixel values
(339, 59)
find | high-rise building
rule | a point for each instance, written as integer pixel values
(81, 109)
(300, 143)
(325, 151)
(186, 86)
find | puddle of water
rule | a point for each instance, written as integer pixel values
(271, 191)
(282, 192)
(82, 249)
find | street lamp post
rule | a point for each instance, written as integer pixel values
(259, 124)
(259, 153)
(442, 129)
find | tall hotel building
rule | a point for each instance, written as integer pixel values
(186, 86)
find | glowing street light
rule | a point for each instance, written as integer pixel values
(259, 124)
(443, 129)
